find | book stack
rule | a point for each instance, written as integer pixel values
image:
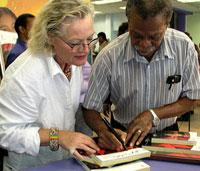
(118, 160)
(174, 146)
(133, 166)
(175, 137)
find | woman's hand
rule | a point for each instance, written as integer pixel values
(73, 140)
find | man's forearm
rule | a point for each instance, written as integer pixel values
(93, 119)
(176, 109)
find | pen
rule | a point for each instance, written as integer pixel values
(111, 129)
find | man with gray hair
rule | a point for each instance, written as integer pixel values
(150, 72)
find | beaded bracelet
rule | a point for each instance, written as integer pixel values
(53, 139)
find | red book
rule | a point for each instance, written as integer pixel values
(173, 152)
(175, 137)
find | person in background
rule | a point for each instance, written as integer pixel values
(103, 41)
(23, 25)
(40, 92)
(123, 28)
(198, 52)
(7, 19)
(195, 45)
(150, 81)
(80, 125)
(86, 70)
(7, 22)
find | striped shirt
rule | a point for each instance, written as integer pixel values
(136, 85)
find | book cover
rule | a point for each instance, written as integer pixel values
(172, 148)
(133, 166)
(109, 158)
(175, 157)
(173, 152)
(175, 137)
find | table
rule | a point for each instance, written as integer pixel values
(62, 165)
(157, 165)
(72, 165)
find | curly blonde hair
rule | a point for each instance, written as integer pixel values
(50, 21)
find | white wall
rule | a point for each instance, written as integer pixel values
(102, 23)
(109, 24)
(193, 27)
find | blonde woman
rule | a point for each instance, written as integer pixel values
(40, 92)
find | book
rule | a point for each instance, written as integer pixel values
(175, 137)
(108, 158)
(175, 157)
(173, 152)
(133, 166)
(172, 148)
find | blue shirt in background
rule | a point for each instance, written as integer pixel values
(17, 49)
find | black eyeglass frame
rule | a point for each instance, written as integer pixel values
(80, 45)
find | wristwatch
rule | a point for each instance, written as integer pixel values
(156, 119)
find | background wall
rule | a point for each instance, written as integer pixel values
(109, 24)
(24, 6)
(193, 27)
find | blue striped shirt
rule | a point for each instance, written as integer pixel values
(137, 85)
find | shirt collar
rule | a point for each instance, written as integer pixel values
(53, 66)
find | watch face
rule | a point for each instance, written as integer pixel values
(156, 121)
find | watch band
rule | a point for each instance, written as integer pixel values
(156, 119)
(53, 139)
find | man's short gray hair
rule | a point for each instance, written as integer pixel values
(150, 8)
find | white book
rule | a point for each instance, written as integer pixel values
(132, 166)
(120, 157)
(197, 146)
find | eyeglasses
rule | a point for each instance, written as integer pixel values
(80, 46)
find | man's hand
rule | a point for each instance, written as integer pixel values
(139, 128)
(107, 140)
(106, 109)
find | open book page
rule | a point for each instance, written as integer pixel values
(108, 158)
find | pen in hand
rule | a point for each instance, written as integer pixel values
(111, 129)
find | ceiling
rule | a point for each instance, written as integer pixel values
(115, 7)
